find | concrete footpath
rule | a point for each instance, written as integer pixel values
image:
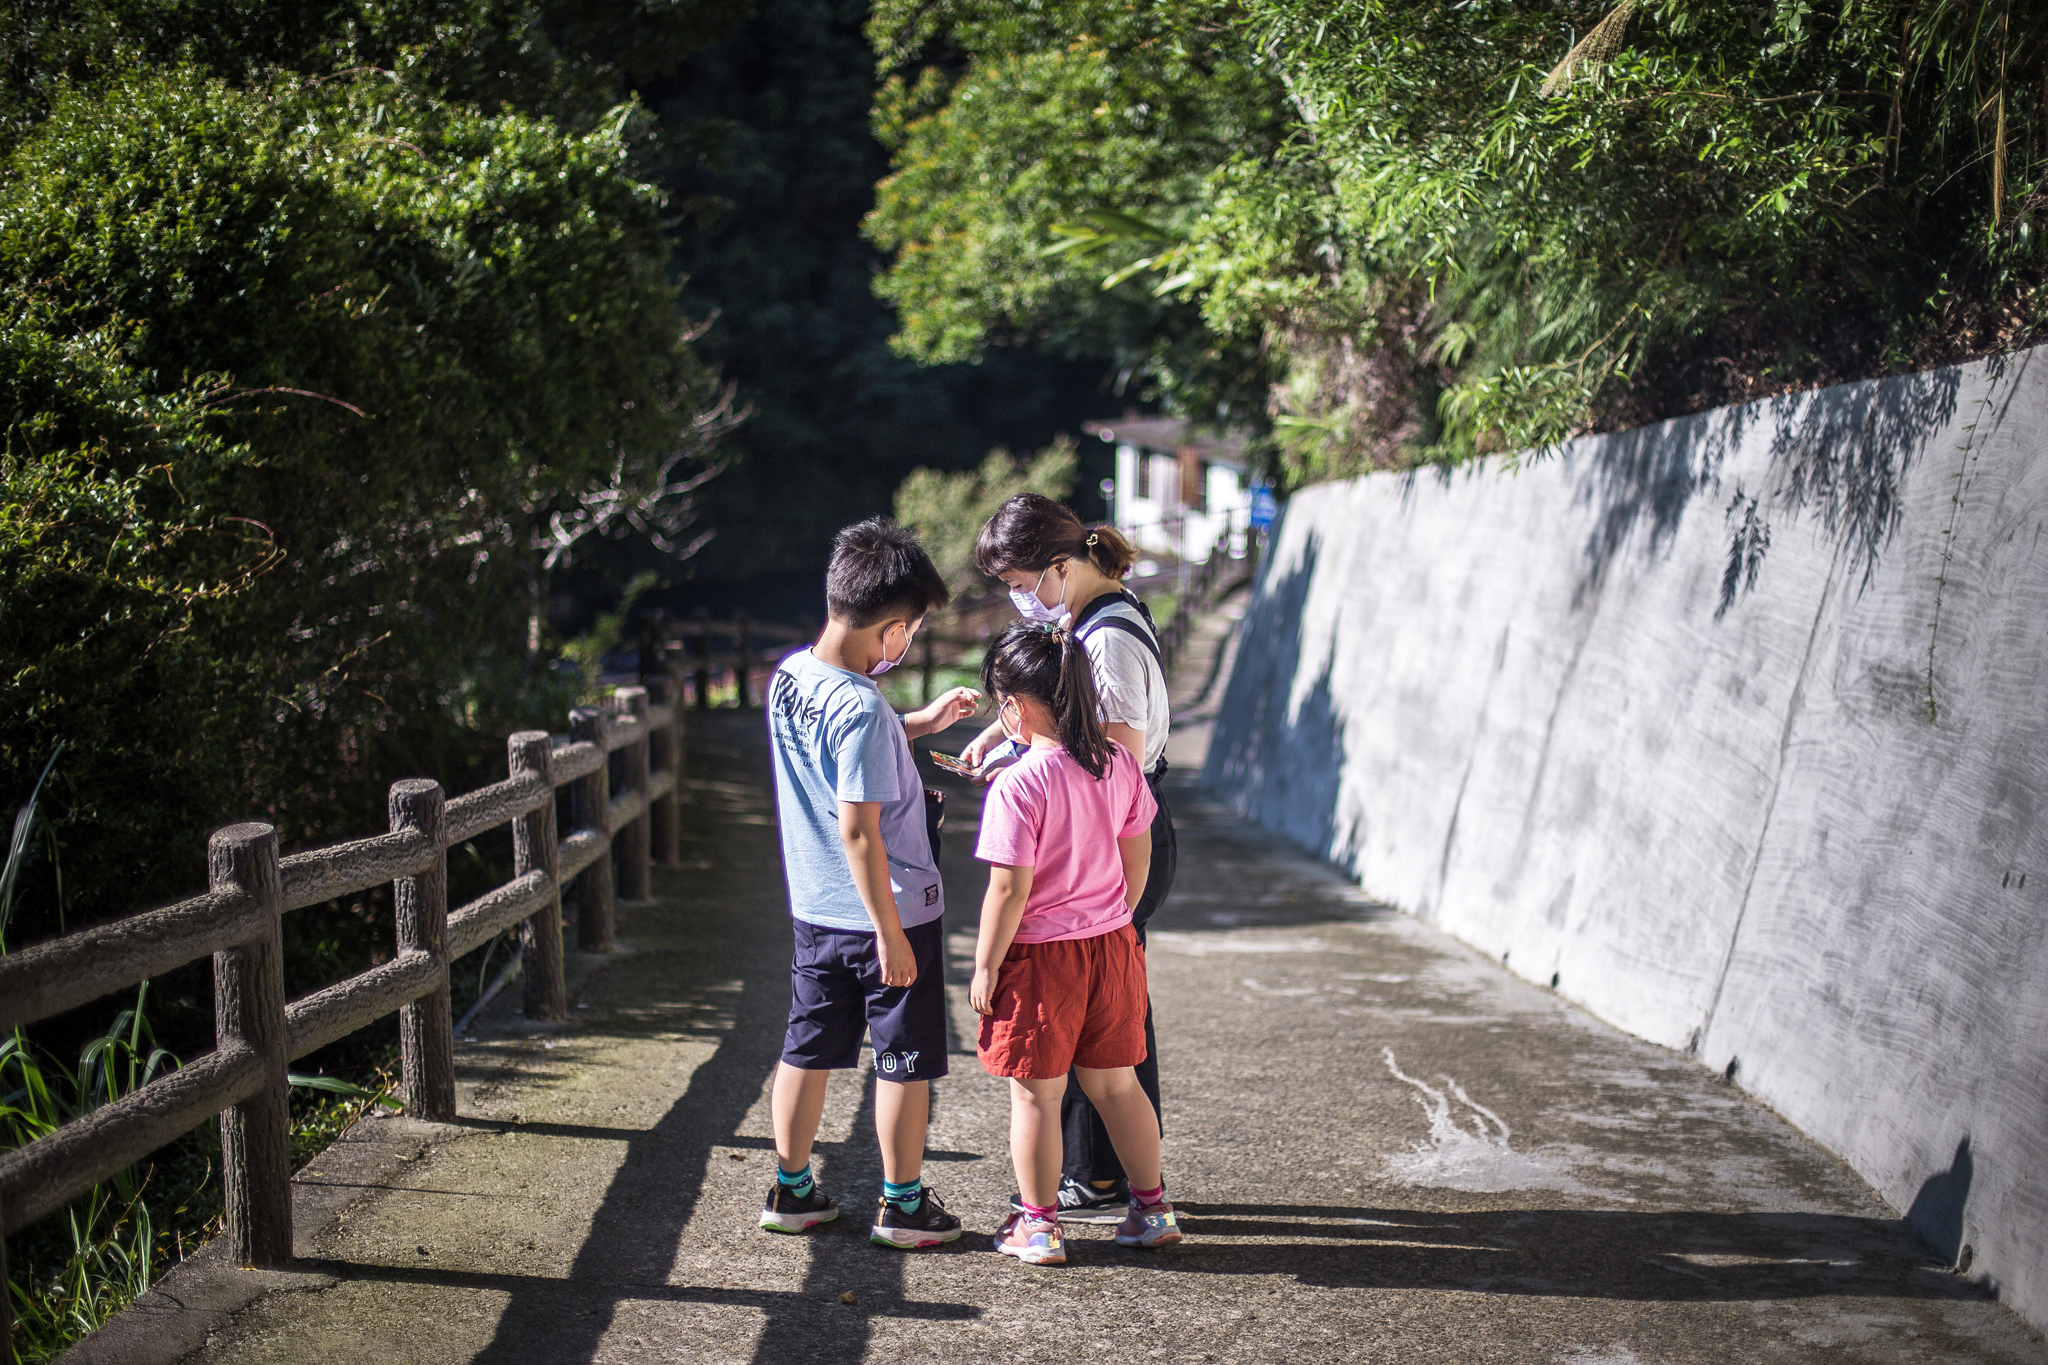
(1384, 1147)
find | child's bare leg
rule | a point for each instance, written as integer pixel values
(903, 1110)
(797, 1103)
(1035, 1139)
(1128, 1115)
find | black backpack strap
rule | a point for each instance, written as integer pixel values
(1133, 629)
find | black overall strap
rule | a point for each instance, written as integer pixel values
(1146, 635)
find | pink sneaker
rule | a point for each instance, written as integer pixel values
(1148, 1225)
(1034, 1241)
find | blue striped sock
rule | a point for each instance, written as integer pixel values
(798, 1183)
(905, 1196)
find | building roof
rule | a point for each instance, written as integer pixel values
(1170, 435)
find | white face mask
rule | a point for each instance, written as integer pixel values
(885, 663)
(1014, 739)
(1031, 609)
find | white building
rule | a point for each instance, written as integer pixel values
(1177, 493)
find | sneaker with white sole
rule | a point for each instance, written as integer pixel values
(1083, 1203)
(785, 1212)
(928, 1226)
(1148, 1225)
(1034, 1241)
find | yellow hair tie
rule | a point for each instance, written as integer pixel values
(1091, 538)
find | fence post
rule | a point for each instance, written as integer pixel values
(664, 753)
(924, 684)
(653, 641)
(248, 1011)
(426, 1032)
(532, 753)
(743, 670)
(590, 804)
(703, 659)
(631, 843)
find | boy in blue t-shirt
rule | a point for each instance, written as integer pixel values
(864, 886)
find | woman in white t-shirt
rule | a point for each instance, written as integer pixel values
(1061, 571)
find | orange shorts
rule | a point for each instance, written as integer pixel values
(1078, 1002)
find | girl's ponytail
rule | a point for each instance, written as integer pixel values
(1075, 707)
(1050, 667)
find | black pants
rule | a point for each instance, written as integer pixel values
(1087, 1152)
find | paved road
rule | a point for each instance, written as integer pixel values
(1386, 1149)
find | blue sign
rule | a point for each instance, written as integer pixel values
(1264, 508)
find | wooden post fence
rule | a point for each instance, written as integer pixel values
(630, 841)
(590, 802)
(743, 664)
(248, 1016)
(665, 755)
(237, 922)
(703, 659)
(426, 1029)
(530, 756)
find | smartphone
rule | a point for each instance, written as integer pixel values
(953, 765)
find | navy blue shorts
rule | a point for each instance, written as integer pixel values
(837, 997)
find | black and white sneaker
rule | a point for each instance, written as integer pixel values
(784, 1212)
(1083, 1203)
(927, 1226)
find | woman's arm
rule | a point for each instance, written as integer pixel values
(1001, 909)
(1136, 852)
(1130, 736)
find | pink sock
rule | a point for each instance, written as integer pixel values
(1149, 1197)
(1043, 1213)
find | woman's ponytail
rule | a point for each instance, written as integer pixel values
(1110, 551)
(1050, 667)
(1031, 532)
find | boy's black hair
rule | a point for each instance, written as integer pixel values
(879, 571)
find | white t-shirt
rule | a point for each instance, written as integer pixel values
(1128, 680)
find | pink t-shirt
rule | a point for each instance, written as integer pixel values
(1046, 813)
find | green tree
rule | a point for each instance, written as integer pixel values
(1409, 231)
(315, 333)
(948, 510)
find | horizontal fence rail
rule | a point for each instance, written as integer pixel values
(237, 922)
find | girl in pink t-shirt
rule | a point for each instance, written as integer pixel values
(1059, 978)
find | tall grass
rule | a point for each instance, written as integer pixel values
(76, 1270)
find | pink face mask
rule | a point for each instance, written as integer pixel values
(885, 663)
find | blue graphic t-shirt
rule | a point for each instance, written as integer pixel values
(836, 738)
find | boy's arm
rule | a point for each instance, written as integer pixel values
(1136, 852)
(1001, 909)
(955, 705)
(860, 830)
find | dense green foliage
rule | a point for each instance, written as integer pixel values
(948, 510)
(1391, 231)
(328, 330)
(313, 329)
(771, 247)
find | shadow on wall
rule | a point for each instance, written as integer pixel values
(1937, 1212)
(1839, 454)
(1283, 763)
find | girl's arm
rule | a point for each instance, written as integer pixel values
(1001, 909)
(1136, 852)
(978, 748)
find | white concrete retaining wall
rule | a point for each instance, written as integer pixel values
(1749, 818)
